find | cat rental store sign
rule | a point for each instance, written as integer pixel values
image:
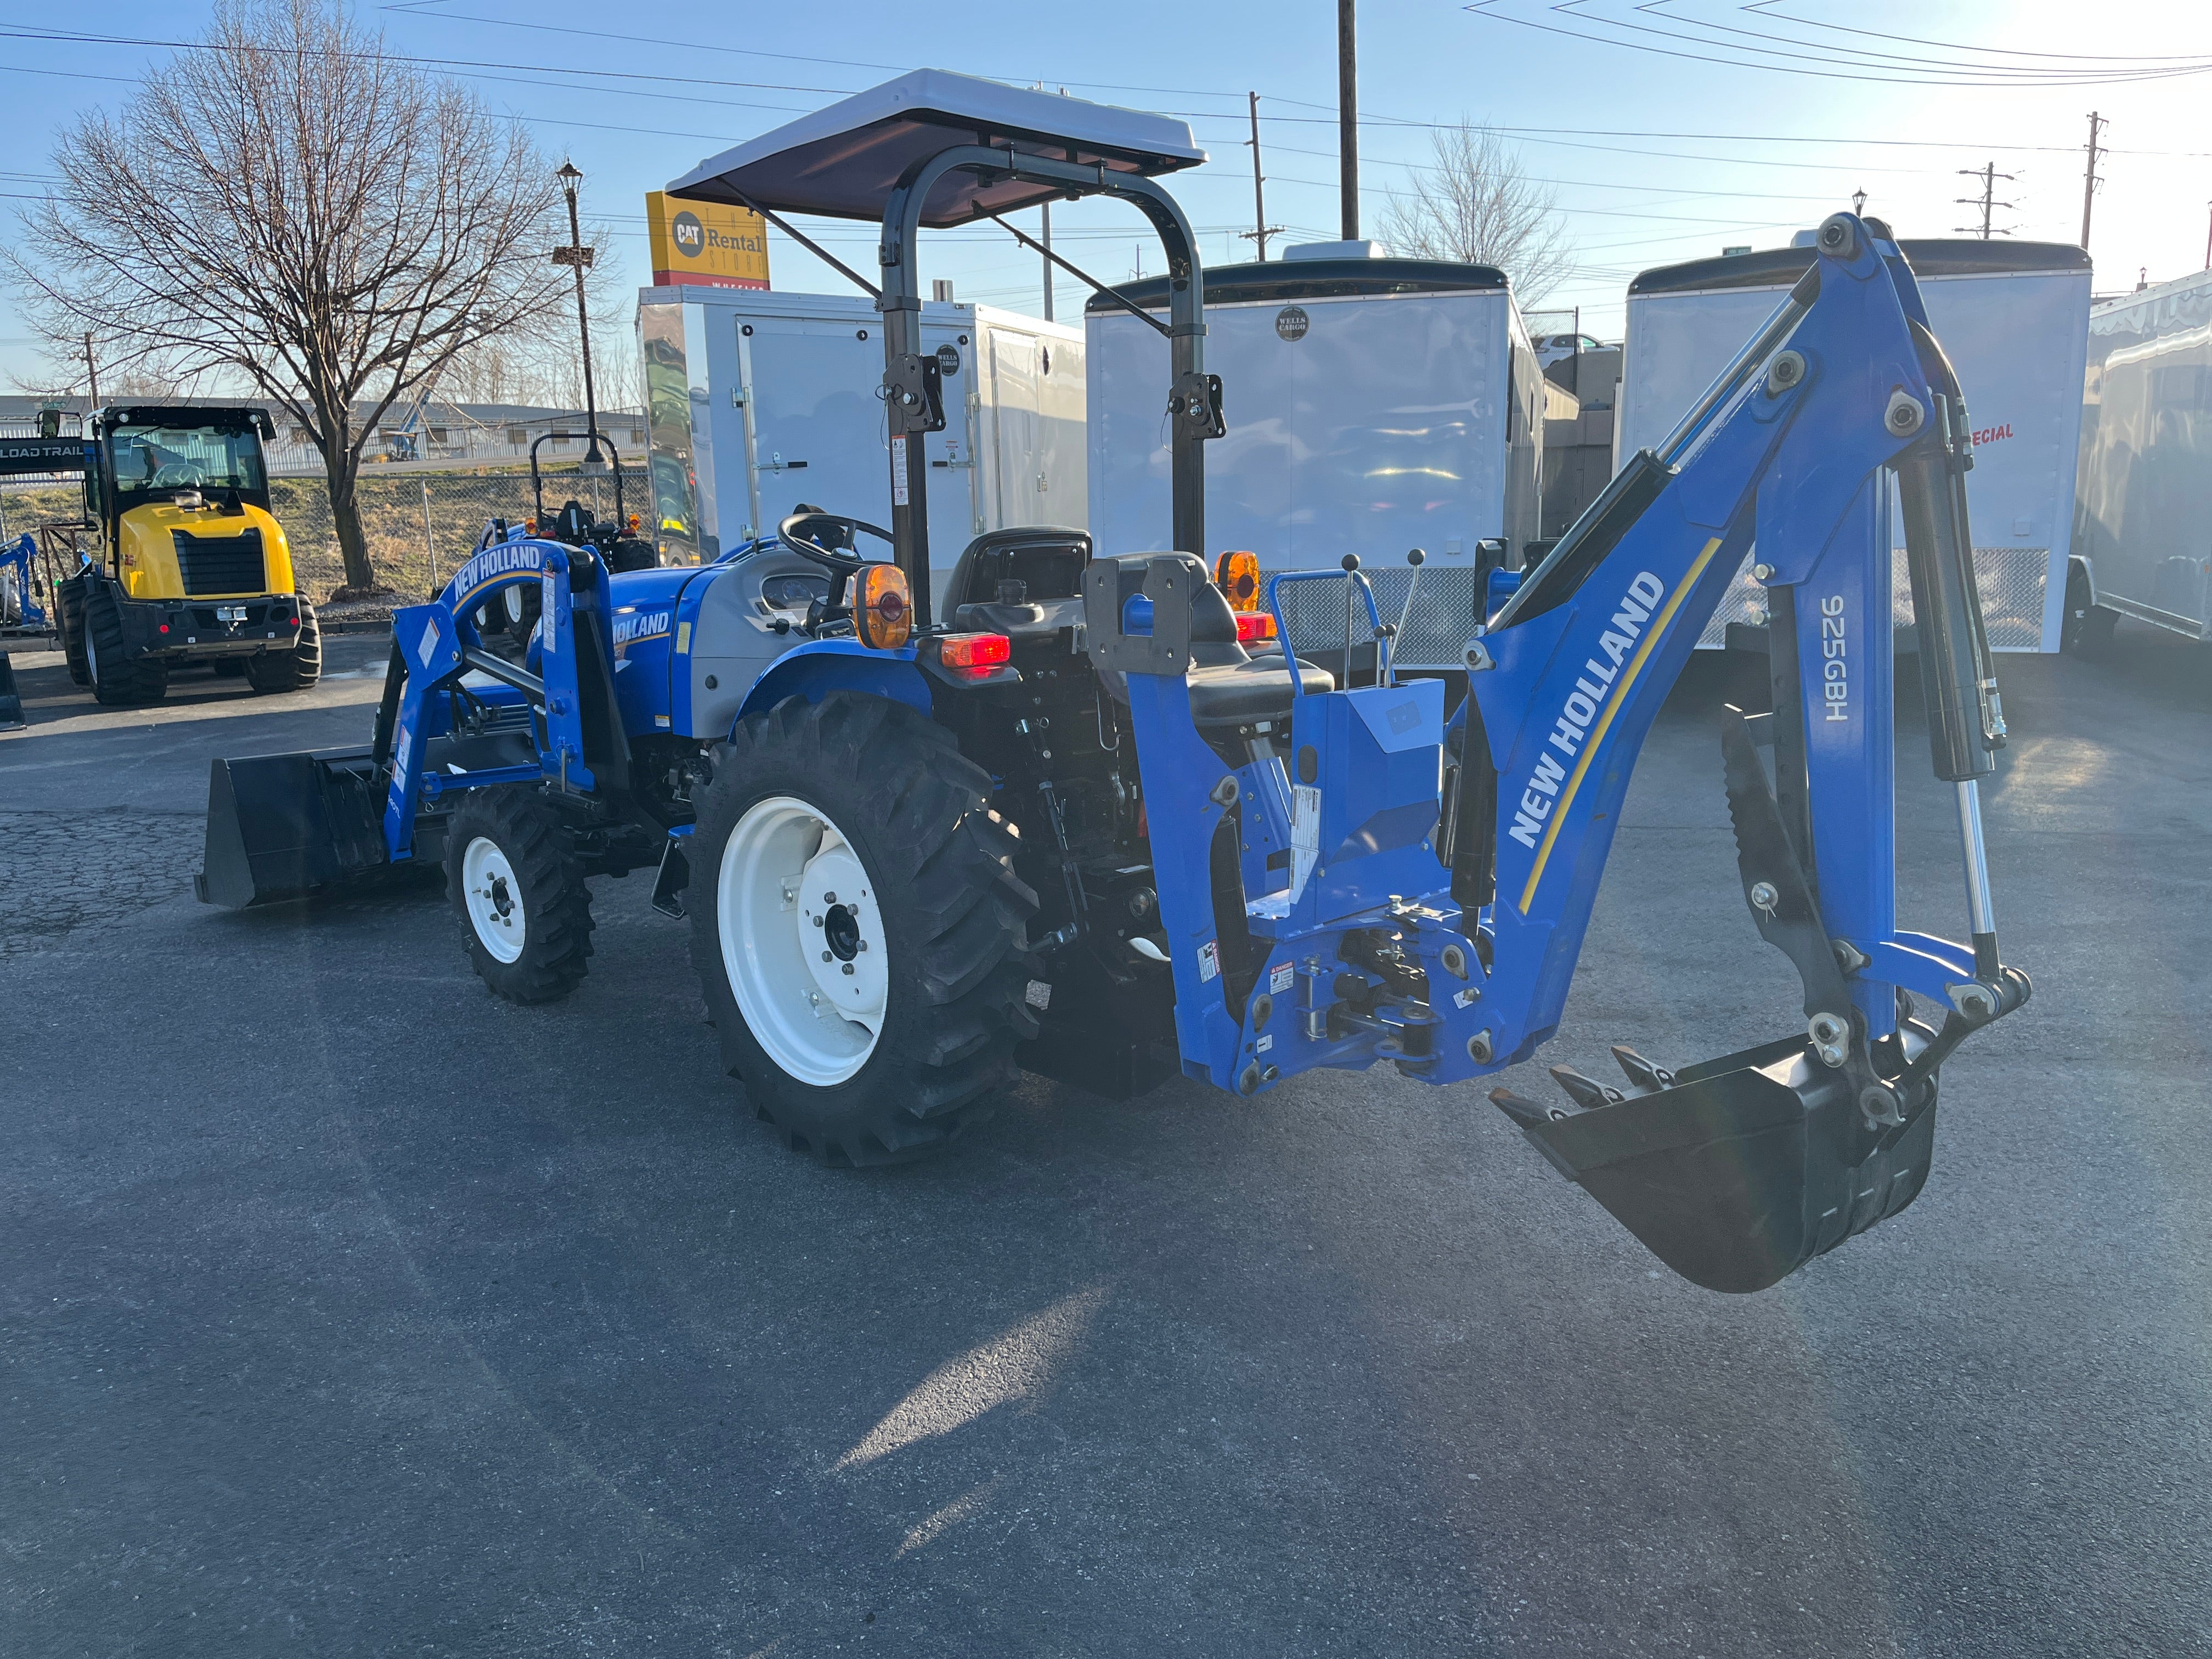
(706, 243)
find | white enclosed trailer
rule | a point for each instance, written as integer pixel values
(1374, 405)
(2012, 315)
(758, 401)
(2142, 518)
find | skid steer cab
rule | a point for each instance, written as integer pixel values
(190, 569)
(1074, 810)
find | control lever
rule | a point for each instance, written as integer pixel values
(1406, 612)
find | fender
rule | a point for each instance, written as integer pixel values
(816, 668)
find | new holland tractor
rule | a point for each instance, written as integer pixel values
(1071, 811)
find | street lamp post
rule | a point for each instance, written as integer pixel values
(577, 256)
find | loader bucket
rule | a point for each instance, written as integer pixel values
(283, 826)
(1744, 1169)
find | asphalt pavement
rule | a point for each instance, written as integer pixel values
(345, 1309)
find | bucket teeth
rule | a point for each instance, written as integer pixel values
(1641, 1071)
(1524, 1112)
(1586, 1092)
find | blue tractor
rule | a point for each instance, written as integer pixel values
(1071, 809)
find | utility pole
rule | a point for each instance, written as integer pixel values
(2089, 180)
(1347, 117)
(1045, 212)
(1261, 230)
(579, 256)
(1988, 175)
(91, 372)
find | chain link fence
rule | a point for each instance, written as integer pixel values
(420, 526)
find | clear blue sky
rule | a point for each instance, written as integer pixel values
(1667, 131)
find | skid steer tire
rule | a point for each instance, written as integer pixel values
(871, 795)
(116, 681)
(68, 616)
(290, 670)
(514, 881)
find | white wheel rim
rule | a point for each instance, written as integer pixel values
(802, 940)
(91, 661)
(494, 899)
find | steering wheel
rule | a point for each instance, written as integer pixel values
(181, 474)
(799, 531)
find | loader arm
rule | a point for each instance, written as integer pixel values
(1442, 930)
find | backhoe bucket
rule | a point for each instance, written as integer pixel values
(1741, 1171)
(283, 826)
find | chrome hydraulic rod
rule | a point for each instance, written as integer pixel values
(1981, 909)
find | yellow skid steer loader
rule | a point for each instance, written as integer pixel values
(189, 565)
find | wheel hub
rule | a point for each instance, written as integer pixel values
(494, 899)
(803, 941)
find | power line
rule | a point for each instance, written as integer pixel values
(1487, 9)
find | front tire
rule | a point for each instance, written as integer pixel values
(69, 613)
(116, 681)
(290, 670)
(517, 886)
(858, 928)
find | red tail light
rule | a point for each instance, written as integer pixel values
(1254, 626)
(978, 652)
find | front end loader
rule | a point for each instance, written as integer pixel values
(1095, 821)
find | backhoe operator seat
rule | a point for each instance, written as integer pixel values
(1228, 686)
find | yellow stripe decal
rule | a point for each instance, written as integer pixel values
(1651, 637)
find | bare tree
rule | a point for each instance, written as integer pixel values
(1473, 204)
(546, 367)
(288, 204)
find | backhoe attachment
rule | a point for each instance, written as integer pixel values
(1738, 1171)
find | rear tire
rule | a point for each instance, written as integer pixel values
(68, 616)
(515, 882)
(116, 681)
(870, 788)
(290, 670)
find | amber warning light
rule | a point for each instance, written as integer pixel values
(1237, 575)
(886, 607)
